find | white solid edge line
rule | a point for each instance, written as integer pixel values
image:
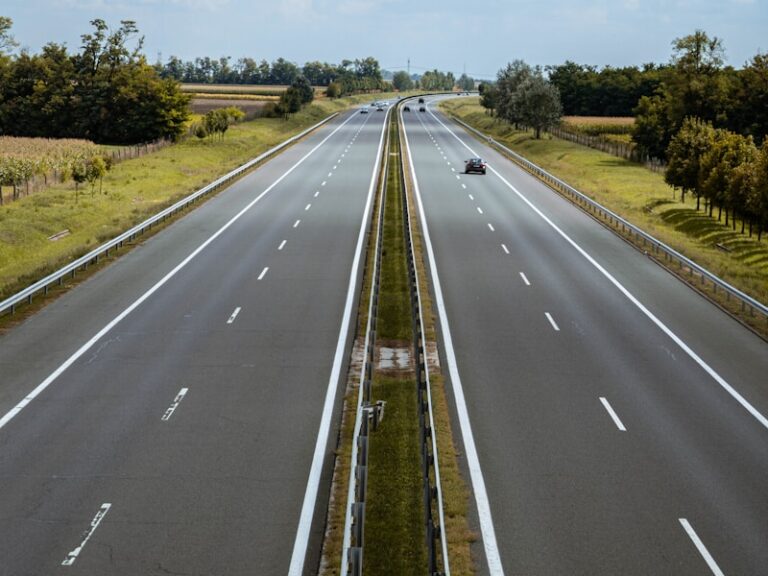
(650, 315)
(72, 556)
(313, 483)
(552, 321)
(613, 415)
(234, 315)
(473, 462)
(140, 300)
(701, 548)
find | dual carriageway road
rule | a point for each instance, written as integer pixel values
(188, 396)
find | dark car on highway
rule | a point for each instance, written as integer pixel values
(422, 109)
(474, 165)
(406, 108)
(421, 100)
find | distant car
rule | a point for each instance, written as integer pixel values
(374, 104)
(406, 108)
(421, 100)
(474, 165)
(379, 108)
(363, 110)
(422, 109)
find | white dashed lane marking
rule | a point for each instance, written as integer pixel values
(234, 315)
(175, 403)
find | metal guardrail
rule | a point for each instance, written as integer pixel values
(26, 295)
(658, 248)
(433, 491)
(367, 413)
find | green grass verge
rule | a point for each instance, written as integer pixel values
(640, 196)
(394, 517)
(132, 191)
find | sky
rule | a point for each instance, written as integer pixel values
(476, 37)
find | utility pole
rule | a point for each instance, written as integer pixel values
(409, 67)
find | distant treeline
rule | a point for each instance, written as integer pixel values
(696, 83)
(351, 75)
(106, 92)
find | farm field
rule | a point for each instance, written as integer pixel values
(640, 196)
(132, 191)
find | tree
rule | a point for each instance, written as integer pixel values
(508, 80)
(304, 89)
(696, 87)
(651, 131)
(489, 96)
(290, 102)
(750, 103)
(402, 81)
(95, 169)
(718, 179)
(684, 154)
(759, 196)
(465, 83)
(7, 41)
(333, 90)
(538, 103)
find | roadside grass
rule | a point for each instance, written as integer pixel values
(641, 197)
(132, 191)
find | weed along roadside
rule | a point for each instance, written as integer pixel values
(641, 197)
(392, 509)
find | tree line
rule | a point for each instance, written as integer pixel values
(349, 76)
(725, 169)
(523, 97)
(105, 92)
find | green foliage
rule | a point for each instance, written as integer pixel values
(304, 89)
(6, 40)
(685, 151)
(106, 92)
(435, 80)
(489, 97)
(588, 91)
(402, 81)
(465, 83)
(523, 97)
(333, 90)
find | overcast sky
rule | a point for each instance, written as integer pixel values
(479, 37)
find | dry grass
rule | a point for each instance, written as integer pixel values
(601, 120)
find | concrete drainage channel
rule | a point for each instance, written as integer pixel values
(370, 428)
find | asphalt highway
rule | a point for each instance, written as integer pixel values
(184, 401)
(613, 420)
